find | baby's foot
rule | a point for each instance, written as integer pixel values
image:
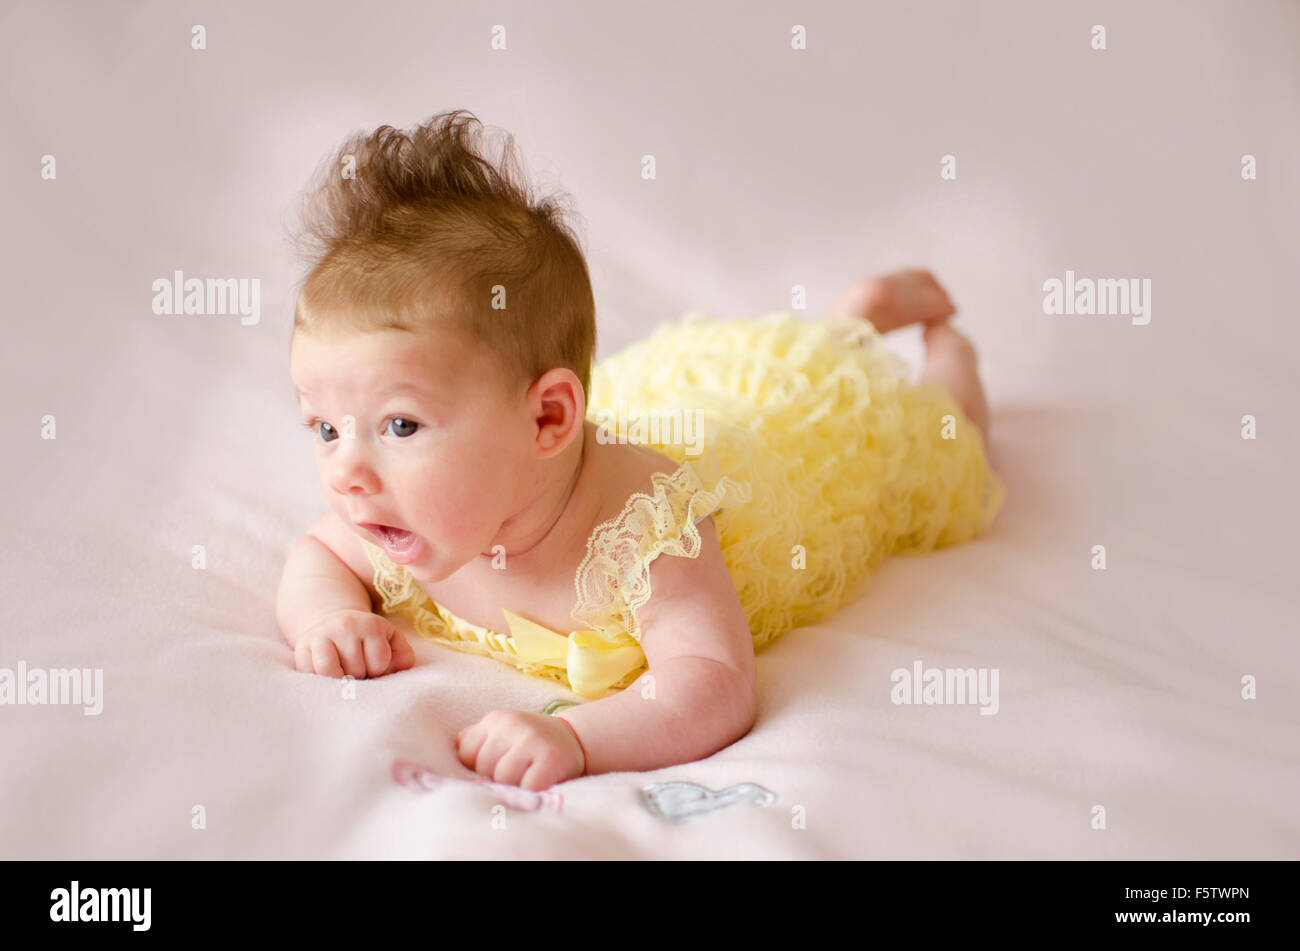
(895, 300)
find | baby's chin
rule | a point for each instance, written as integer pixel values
(432, 569)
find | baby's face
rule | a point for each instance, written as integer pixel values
(415, 432)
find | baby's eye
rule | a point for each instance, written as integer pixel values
(326, 432)
(403, 427)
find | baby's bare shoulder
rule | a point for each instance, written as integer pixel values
(627, 469)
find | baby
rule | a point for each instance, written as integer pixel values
(442, 356)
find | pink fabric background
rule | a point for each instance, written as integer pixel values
(775, 167)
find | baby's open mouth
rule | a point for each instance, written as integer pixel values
(402, 546)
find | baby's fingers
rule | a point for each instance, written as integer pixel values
(352, 654)
(377, 653)
(403, 657)
(468, 743)
(302, 657)
(325, 658)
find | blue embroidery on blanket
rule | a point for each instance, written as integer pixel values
(679, 801)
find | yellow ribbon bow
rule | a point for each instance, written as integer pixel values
(593, 662)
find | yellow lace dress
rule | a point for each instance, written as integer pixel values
(806, 441)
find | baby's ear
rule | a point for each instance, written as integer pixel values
(559, 407)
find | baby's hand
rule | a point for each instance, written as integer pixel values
(530, 750)
(354, 642)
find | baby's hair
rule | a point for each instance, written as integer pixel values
(401, 230)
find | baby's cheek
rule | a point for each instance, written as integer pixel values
(457, 504)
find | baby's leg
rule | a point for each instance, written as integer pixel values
(895, 300)
(950, 361)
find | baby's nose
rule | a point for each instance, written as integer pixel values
(349, 472)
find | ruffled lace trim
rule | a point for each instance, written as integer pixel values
(613, 580)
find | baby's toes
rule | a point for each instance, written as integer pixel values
(926, 299)
(943, 306)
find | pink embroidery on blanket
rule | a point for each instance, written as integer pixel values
(420, 779)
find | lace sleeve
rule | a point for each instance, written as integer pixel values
(614, 577)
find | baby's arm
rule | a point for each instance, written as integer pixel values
(325, 610)
(701, 666)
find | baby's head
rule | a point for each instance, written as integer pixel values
(442, 344)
